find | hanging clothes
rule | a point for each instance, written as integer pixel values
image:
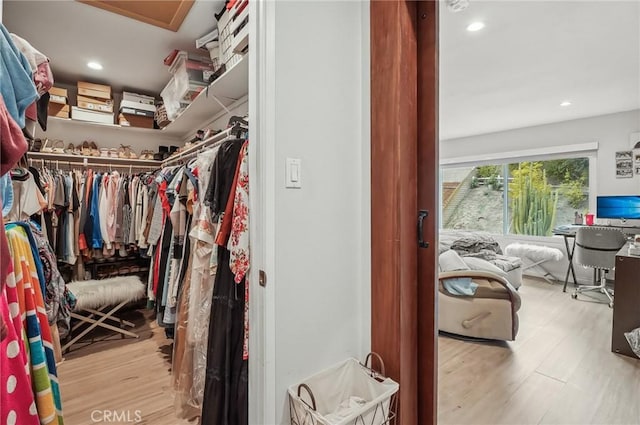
(226, 387)
(37, 333)
(16, 83)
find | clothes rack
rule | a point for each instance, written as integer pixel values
(197, 148)
(72, 164)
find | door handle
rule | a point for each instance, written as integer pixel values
(422, 214)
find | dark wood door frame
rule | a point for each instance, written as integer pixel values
(404, 164)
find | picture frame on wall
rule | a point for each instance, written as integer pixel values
(634, 145)
(624, 164)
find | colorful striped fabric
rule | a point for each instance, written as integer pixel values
(17, 405)
(38, 333)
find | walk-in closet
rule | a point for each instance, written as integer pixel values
(125, 188)
(190, 237)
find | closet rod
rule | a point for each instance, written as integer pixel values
(89, 164)
(199, 147)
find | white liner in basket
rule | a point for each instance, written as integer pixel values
(336, 384)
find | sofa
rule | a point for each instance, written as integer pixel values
(477, 295)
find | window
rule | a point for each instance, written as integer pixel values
(535, 197)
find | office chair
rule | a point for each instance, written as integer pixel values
(596, 247)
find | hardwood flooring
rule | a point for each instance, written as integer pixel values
(120, 381)
(560, 369)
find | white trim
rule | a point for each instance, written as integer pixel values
(529, 154)
(262, 101)
(364, 300)
(262, 366)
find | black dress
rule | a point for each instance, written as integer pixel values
(226, 386)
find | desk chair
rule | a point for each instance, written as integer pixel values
(596, 247)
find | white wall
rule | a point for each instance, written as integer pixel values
(320, 280)
(610, 131)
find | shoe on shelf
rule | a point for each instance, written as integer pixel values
(36, 145)
(104, 153)
(58, 147)
(70, 149)
(47, 146)
(125, 151)
(94, 149)
(86, 150)
(113, 153)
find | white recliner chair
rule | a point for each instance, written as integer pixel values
(492, 313)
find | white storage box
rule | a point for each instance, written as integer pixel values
(80, 114)
(348, 393)
(137, 105)
(177, 95)
(227, 55)
(138, 98)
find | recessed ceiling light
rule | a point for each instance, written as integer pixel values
(476, 26)
(94, 65)
(565, 103)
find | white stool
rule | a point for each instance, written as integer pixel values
(95, 296)
(533, 256)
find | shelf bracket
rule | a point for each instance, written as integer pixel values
(220, 103)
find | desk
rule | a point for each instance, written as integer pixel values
(568, 232)
(626, 315)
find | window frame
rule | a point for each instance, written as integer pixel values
(583, 150)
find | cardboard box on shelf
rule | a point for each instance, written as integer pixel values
(58, 110)
(91, 116)
(94, 104)
(54, 98)
(94, 90)
(58, 91)
(128, 120)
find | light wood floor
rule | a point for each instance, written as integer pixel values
(120, 375)
(560, 369)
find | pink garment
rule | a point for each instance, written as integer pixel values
(43, 78)
(12, 146)
(12, 142)
(17, 405)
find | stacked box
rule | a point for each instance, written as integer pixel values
(58, 103)
(137, 110)
(94, 103)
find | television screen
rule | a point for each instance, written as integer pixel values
(618, 207)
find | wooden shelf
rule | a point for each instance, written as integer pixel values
(230, 87)
(98, 160)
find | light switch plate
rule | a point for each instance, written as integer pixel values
(293, 170)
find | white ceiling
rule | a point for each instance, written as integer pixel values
(132, 52)
(531, 56)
